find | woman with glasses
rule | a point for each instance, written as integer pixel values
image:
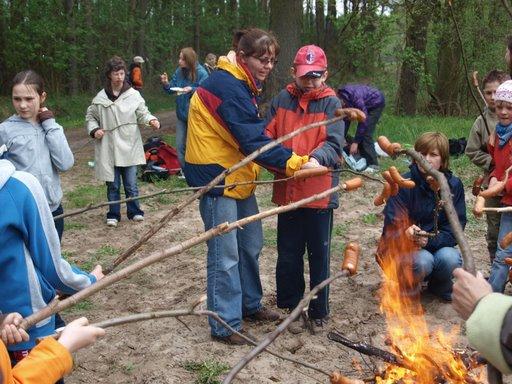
(223, 127)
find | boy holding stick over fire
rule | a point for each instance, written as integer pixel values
(478, 152)
(500, 149)
(307, 100)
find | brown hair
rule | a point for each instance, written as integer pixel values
(114, 64)
(255, 42)
(29, 77)
(495, 75)
(190, 58)
(429, 141)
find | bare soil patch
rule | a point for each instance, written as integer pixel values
(154, 351)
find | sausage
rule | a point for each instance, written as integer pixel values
(396, 147)
(384, 195)
(338, 378)
(478, 208)
(310, 172)
(352, 184)
(508, 260)
(385, 145)
(351, 257)
(506, 240)
(432, 182)
(397, 178)
(495, 190)
(394, 189)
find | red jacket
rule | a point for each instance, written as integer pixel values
(292, 109)
(502, 159)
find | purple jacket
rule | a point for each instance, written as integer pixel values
(362, 97)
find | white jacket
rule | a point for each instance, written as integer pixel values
(121, 145)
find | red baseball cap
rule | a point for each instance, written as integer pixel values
(310, 58)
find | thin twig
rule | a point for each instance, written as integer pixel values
(161, 255)
(507, 7)
(173, 212)
(281, 328)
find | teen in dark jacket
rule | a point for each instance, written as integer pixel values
(413, 210)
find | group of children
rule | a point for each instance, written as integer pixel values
(36, 144)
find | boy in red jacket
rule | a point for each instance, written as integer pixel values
(307, 100)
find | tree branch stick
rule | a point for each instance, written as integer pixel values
(161, 255)
(281, 328)
(91, 206)
(173, 212)
(507, 6)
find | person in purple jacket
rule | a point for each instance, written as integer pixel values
(371, 101)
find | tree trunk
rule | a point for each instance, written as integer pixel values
(449, 64)
(418, 16)
(320, 22)
(69, 6)
(286, 23)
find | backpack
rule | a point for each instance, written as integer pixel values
(457, 146)
(161, 160)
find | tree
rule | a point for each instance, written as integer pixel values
(418, 13)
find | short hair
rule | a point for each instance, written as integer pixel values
(429, 141)
(29, 77)
(114, 64)
(255, 42)
(495, 75)
(210, 56)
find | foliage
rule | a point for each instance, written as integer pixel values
(207, 371)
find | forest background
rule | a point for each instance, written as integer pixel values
(407, 48)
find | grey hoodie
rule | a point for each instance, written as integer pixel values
(39, 149)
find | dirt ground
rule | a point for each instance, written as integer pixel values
(154, 351)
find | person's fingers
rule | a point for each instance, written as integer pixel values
(458, 272)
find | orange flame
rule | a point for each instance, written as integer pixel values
(431, 356)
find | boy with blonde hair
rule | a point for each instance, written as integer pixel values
(477, 151)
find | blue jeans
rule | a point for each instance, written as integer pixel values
(499, 270)
(437, 268)
(181, 141)
(367, 145)
(129, 176)
(297, 230)
(233, 276)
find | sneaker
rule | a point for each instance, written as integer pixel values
(371, 169)
(264, 314)
(138, 218)
(319, 325)
(234, 339)
(112, 222)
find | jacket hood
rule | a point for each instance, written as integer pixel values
(102, 97)
(229, 64)
(6, 171)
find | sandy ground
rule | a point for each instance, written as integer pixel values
(154, 351)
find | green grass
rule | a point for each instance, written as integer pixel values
(340, 229)
(270, 237)
(370, 218)
(70, 110)
(207, 371)
(71, 225)
(84, 195)
(82, 306)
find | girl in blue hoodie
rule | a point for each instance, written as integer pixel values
(34, 142)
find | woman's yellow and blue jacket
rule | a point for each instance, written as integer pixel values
(224, 126)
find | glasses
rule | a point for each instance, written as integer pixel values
(266, 60)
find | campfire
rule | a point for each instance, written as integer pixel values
(426, 357)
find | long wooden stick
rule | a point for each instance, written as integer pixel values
(91, 206)
(173, 212)
(57, 306)
(281, 328)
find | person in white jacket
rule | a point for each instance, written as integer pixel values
(113, 119)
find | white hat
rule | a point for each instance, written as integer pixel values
(504, 92)
(138, 59)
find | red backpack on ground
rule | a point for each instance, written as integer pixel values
(161, 160)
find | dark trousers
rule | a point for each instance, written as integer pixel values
(367, 146)
(298, 230)
(59, 223)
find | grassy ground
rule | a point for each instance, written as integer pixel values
(70, 110)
